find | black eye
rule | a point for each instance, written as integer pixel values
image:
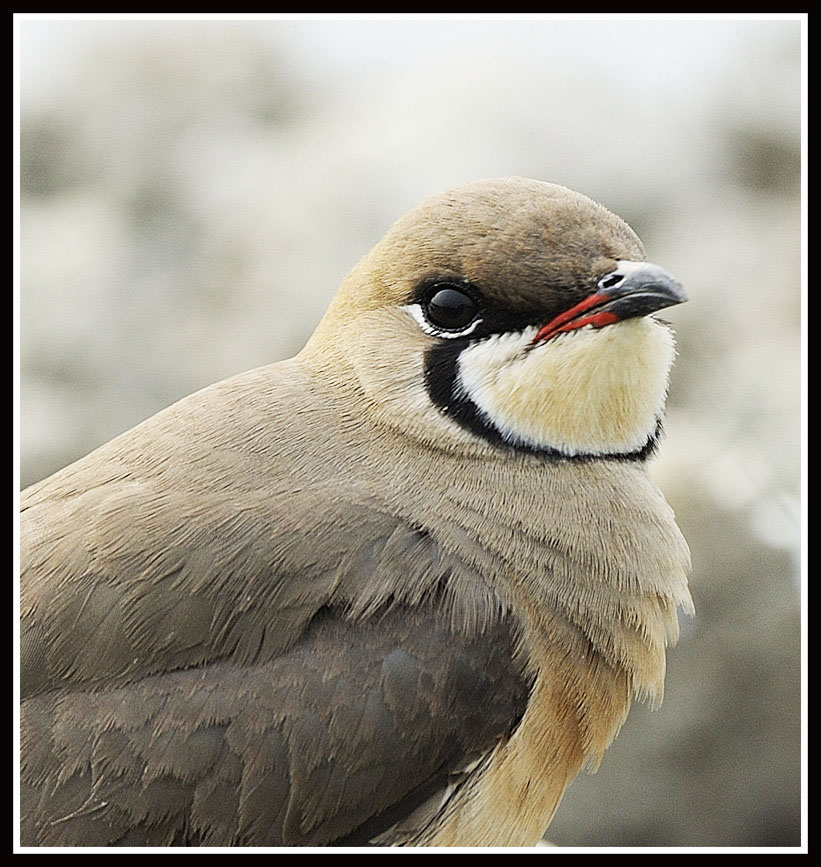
(450, 309)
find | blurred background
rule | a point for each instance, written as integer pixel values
(193, 191)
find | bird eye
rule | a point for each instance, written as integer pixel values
(450, 309)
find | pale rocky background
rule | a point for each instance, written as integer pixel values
(192, 193)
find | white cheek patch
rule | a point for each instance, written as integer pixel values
(586, 392)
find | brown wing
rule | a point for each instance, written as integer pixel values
(241, 644)
(332, 741)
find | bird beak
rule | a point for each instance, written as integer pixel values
(633, 289)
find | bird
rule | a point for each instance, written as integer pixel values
(395, 591)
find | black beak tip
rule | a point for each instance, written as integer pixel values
(639, 288)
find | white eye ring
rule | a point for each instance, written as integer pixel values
(418, 314)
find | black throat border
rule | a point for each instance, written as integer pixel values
(441, 369)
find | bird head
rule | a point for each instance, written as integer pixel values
(507, 314)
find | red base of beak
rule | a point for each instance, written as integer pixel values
(567, 321)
